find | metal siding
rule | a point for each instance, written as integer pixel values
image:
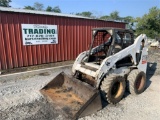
(50, 47)
(74, 36)
(60, 39)
(13, 42)
(78, 45)
(32, 20)
(17, 38)
(72, 39)
(43, 46)
(3, 58)
(65, 38)
(24, 48)
(53, 50)
(7, 40)
(68, 27)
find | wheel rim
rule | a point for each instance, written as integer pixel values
(116, 89)
(139, 82)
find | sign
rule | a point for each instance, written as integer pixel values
(36, 34)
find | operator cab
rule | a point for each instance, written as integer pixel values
(105, 42)
(108, 41)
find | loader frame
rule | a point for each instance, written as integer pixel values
(135, 51)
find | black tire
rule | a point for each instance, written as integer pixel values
(113, 88)
(137, 81)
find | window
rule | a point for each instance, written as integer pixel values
(127, 40)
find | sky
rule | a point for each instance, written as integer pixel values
(134, 8)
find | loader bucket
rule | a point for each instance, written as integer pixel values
(71, 98)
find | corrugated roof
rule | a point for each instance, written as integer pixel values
(47, 13)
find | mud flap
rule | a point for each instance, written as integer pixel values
(71, 98)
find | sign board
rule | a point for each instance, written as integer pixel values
(36, 34)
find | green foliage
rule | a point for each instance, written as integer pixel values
(128, 19)
(149, 23)
(114, 15)
(29, 7)
(55, 9)
(39, 6)
(49, 9)
(5, 3)
(85, 14)
(105, 17)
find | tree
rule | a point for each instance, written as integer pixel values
(105, 17)
(57, 9)
(5, 3)
(128, 19)
(149, 23)
(49, 9)
(114, 15)
(85, 14)
(29, 7)
(38, 6)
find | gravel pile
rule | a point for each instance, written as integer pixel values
(20, 98)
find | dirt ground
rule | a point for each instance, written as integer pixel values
(20, 98)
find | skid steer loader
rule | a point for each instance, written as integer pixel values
(114, 62)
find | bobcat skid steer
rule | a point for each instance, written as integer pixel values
(114, 62)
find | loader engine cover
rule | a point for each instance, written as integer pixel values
(71, 98)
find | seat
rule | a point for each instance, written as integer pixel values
(117, 48)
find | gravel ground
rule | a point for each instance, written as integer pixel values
(142, 107)
(20, 98)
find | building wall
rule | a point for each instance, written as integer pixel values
(74, 36)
